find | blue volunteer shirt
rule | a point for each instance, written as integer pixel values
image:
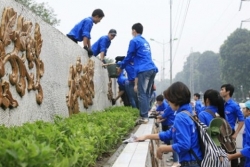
(198, 106)
(82, 29)
(121, 79)
(205, 116)
(130, 69)
(101, 45)
(168, 114)
(139, 49)
(233, 112)
(246, 141)
(184, 134)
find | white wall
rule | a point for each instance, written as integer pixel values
(57, 54)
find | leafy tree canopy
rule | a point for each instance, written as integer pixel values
(42, 10)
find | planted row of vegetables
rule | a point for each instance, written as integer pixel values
(67, 142)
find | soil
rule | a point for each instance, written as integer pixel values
(108, 159)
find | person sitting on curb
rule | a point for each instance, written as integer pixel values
(102, 44)
(81, 31)
(183, 132)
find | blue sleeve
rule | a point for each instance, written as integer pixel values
(183, 135)
(247, 133)
(239, 114)
(130, 54)
(246, 152)
(86, 29)
(166, 135)
(103, 47)
(167, 112)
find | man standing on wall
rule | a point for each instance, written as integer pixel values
(145, 69)
(233, 114)
(81, 31)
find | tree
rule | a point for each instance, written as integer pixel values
(235, 60)
(42, 10)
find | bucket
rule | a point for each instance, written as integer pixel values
(112, 70)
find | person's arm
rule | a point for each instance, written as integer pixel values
(162, 149)
(234, 156)
(150, 136)
(102, 54)
(240, 123)
(86, 29)
(136, 83)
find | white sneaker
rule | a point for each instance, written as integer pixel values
(176, 164)
(143, 121)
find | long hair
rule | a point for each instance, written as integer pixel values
(215, 100)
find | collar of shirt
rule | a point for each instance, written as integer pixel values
(212, 108)
(185, 107)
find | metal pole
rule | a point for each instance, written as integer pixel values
(171, 42)
(163, 58)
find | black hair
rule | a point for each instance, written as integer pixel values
(159, 98)
(138, 28)
(215, 100)
(178, 93)
(98, 12)
(197, 95)
(228, 87)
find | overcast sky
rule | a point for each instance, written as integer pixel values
(207, 24)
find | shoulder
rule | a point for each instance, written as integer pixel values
(184, 118)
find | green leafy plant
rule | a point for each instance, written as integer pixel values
(67, 142)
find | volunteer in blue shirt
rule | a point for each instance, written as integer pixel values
(246, 139)
(130, 83)
(183, 132)
(102, 44)
(121, 82)
(214, 104)
(145, 69)
(233, 113)
(198, 104)
(81, 31)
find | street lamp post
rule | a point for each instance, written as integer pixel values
(163, 58)
(170, 42)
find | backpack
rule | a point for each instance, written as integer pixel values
(225, 135)
(213, 155)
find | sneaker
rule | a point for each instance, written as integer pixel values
(176, 164)
(143, 120)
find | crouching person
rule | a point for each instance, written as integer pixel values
(183, 132)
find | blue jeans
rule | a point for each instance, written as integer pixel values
(132, 96)
(145, 82)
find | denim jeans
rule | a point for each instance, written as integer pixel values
(145, 82)
(132, 96)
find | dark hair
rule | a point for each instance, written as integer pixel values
(159, 98)
(178, 93)
(197, 95)
(98, 12)
(138, 28)
(228, 87)
(215, 100)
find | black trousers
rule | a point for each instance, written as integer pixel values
(70, 37)
(234, 162)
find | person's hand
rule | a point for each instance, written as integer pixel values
(119, 70)
(159, 153)
(234, 136)
(140, 138)
(158, 120)
(229, 156)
